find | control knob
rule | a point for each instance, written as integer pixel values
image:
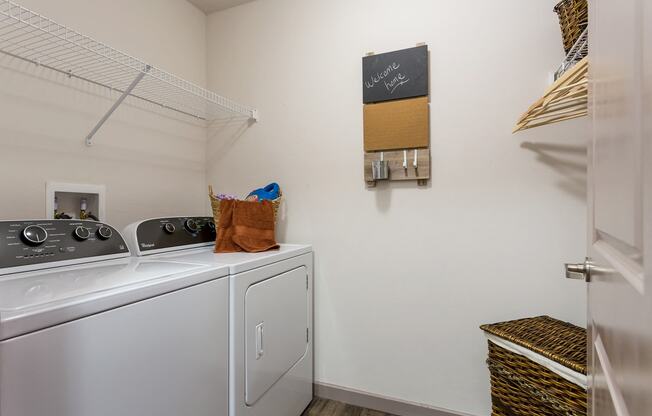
(169, 228)
(191, 226)
(34, 235)
(81, 233)
(104, 232)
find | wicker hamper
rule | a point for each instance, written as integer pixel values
(573, 19)
(216, 204)
(537, 367)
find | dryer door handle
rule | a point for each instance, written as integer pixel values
(259, 340)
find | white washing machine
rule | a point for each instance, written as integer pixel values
(85, 329)
(271, 312)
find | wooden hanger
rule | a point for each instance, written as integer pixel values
(565, 99)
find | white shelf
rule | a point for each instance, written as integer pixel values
(34, 38)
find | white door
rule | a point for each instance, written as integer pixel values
(620, 209)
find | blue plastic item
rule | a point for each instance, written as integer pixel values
(270, 192)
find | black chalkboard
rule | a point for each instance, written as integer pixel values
(395, 75)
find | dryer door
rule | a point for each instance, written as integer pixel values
(276, 319)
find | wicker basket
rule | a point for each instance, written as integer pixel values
(216, 203)
(520, 386)
(573, 19)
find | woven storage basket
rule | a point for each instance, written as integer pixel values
(522, 387)
(573, 19)
(216, 203)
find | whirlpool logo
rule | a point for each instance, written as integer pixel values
(147, 245)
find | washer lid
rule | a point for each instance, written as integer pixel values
(33, 301)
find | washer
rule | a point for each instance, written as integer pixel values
(85, 329)
(271, 312)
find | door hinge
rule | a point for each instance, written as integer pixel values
(307, 334)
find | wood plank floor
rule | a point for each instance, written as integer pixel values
(323, 407)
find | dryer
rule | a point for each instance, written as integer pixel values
(271, 312)
(85, 329)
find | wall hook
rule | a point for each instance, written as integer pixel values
(405, 167)
(415, 163)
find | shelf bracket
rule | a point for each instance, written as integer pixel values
(134, 83)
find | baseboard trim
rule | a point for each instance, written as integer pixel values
(378, 402)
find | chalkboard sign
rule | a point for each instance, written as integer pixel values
(395, 75)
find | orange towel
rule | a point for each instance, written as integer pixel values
(254, 226)
(246, 226)
(224, 242)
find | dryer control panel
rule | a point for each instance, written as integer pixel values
(168, 234)
(36, 244)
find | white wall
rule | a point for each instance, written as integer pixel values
(152, 162)
(405, 275)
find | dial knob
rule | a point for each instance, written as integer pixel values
(191, 226)
(211, 226)
(169, 228)
(81, 233)
(104, 233)
(34, 235)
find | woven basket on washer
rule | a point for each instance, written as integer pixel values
(538, 367)
(216, 203)
(573, 19)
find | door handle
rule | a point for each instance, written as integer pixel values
(259, 340)
(579, 271)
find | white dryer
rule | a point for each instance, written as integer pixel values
(271, 312)
(85, 329)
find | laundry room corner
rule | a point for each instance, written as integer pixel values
(151, 163)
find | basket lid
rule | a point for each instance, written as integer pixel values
(559, 341)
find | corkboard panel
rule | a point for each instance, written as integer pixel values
(394, 125)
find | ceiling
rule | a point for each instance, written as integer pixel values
(210, 6)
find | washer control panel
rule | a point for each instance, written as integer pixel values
(35, 244)
(163, 234)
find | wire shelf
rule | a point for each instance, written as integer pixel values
(34, 38)
(576, 53)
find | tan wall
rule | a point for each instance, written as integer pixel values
(152, 162)
(405, 275)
